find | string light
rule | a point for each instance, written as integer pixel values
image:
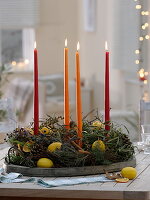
(137, 51)
(141, 73)
(137, 62)
(141, 38)
(145, 82)
(146, 73)
(138, 7)
(144, 26)
(147, 13)
(147, 37)
(142, 13)
(13, 63)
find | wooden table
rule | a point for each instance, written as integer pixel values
(138, 189)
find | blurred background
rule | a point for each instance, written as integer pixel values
(123, 24)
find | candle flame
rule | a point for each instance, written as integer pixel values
(35, 44)
(78, 46)
(106, 46)
(66, 42)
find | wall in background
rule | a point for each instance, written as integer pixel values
(61, 19)
(120, 29)
(58, 21)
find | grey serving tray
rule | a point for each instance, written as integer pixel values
(70, 171)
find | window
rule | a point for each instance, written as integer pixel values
(18, 20)
(17, 48)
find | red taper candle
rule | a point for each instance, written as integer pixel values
(36, 93)
(66, 88)
(107, 100)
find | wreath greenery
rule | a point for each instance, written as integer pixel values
(27, 148)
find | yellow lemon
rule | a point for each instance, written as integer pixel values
(98, 124)
(27, 146)
(129, 172)
(98, 144)
(45, 130)
(122, 180)
(54, 146)
(45, 163)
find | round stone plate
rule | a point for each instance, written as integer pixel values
(70, 171)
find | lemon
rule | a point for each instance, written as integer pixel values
(54, 146)
(98, 124)
(98, 144)
(27, 146)
(45, 130)
(129, 172)
(122, 180)
(45, 163)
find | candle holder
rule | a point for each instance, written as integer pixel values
(54, 151)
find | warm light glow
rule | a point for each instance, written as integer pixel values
(20, 64)
(147, 37)
(35, 44)
(137, 62)
(147, 13)
(145, 82)
(143, 27)
(142, 13)
(141, 70)
(146, 24)
(138, 7)
(66, 42)
(141, 38)
(141, 73)
(146, 73)
(26, 61)
(137, 51)
(13, 63)
(106, 46)
(78, 46)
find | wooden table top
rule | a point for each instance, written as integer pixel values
(138, 188)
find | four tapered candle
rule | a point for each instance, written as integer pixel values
(107, 100)
(66, 91)
(66, 88)
(36, 95)
(78, 96)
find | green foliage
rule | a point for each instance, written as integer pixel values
(117, 144)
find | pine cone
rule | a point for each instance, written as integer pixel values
(38, 151)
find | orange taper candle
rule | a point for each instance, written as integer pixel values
(78, 96)
(66, 88)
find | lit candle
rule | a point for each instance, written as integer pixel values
(66, 88)
(107, 100)
(36, 96)
(78, 96)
